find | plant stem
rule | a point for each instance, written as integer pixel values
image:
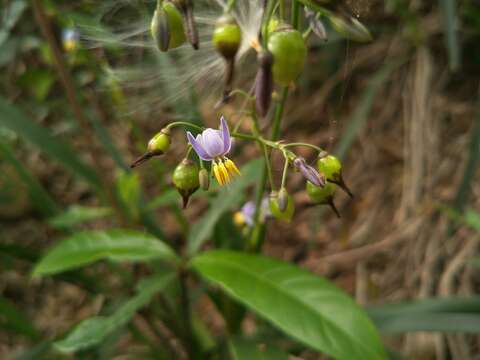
(186, 312)
(257, 235)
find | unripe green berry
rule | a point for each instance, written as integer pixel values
(273, 24)
(285, 215)
(167, 27)
(227, 36)
(331, 167)
(289, 52)
(160, 143)
(185, 179)
(319, 195)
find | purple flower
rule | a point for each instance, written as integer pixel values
(247, 213)
(309, 172)
(213, 145)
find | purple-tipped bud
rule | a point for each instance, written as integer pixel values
(264, 83)
(309, 172)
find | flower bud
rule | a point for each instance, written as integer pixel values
(264, 83)
(167, 27)
(185, 178)
(285, 215)
(322, 196)
(289, 51)
(204, 179)
(332, 168)
(351, 29)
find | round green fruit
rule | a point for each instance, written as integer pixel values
(289, 53)
(331, 167)
(319, 195)
(160, 143)
(185, 179)
(227, 36)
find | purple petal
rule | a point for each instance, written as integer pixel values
(212, 143)
(227, 143)
(196, 144)
(309, 172)
(248, 211)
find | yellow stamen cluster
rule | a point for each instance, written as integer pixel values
(224, 170)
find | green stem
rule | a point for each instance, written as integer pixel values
(184, 123)
(257, 234)
(295, 14)
(305, 145)
(285, 171)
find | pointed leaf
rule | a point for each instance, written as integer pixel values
(93, 331)
(301, 304)
(90, 246)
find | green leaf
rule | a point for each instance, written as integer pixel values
(472, 219)
(14, 321)
(229, 197)
(93, 331)
(76, 215)
(15, 120)
(90, 246)
(445, 315)
(303, 305)
(242, 349)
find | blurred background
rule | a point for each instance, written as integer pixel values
(82, 89)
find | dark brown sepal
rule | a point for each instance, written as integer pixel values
(342, 185)
(333, 207)
(144, 158)
(264, 83)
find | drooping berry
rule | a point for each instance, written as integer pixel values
(332, 168)
(158, 145)
(285, 215)
(227, 38)
(185, 178)
(289, 52)
(322, 196)
(167, 27)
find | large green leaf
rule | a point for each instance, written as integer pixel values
(90, 246)
(93, 331)
(242, 349)
(15, 120)
(303, 305)
(229, 197)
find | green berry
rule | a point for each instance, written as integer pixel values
(160, 143)
(319, 195)
(285, 215)
(227, 36)
(331, 167)
(185, 179)
(167, 27)
(289, 53)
